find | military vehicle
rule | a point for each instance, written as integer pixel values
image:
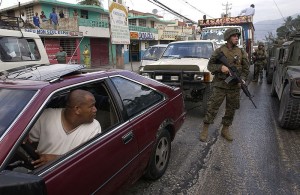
(286, 83)
(18, 48)
(184, 64)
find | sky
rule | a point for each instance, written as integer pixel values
(195, 9)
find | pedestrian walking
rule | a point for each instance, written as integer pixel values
(61, 56)
(223, 90)
(260, 60)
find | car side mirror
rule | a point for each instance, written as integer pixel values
(12, 182)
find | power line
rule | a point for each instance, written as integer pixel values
(279, 10)
(197, 9)
(161, 5)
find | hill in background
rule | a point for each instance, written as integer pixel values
(263, 27)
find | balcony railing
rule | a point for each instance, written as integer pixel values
(142, 29)
(92, 23)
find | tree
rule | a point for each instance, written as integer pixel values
(90, 2)
(290, 27)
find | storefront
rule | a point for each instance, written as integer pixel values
(54, 39)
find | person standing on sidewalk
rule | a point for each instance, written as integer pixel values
(260, 60)
(221, 90)
(86, 57)
(61, 56)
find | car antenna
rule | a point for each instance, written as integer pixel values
(69, 62)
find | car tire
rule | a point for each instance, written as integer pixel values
(160, 156)
(206, 95)
(289, 111)
(269, 76)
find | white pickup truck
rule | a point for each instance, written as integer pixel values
(184, 64)
(19, 48)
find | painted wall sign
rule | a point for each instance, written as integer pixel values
(47, 32)
(146, 36)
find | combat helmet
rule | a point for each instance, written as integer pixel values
(261, 44)
(231, 31)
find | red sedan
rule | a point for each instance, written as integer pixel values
(139, 118)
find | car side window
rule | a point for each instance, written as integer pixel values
(135, 97)
(106, 115)
(18, 49)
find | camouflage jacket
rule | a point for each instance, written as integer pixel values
(259, 56)
(236, 57)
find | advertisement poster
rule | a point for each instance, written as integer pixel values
(52, 47)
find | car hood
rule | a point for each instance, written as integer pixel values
(188, 64)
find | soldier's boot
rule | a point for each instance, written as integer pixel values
(225, 133)
(204, 132)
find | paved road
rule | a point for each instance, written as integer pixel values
(263, 158)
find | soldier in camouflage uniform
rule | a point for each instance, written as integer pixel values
(221, 90)
(260, 60)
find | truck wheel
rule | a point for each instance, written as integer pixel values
(270, 76)
(206, 95)
(160, 156)
(289, 110)
(273, 91)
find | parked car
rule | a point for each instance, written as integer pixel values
(139, 121)
(286, 83)
(152, 54)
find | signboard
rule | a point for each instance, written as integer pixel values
(146, 36)
(118, 23)
(134, 35)
(46, 32)
(225, 21)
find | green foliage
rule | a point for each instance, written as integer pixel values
(291, 25)
(90, 2)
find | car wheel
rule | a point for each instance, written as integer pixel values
(160, 156)
(289, 111)
(270, 76)
(206, 95)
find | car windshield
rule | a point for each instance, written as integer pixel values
(14, 49)
(12, 102)
(189, 50)
(153, 53)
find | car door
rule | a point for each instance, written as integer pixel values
(101, 166)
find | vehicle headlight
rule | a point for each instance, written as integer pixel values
(147, 75)
(174, 78)
(198, 77)
(158, 77)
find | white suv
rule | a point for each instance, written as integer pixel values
(19, 48)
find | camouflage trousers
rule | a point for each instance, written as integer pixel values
(258, 70)
(215, 101)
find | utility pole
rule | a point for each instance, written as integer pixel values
(227, 8)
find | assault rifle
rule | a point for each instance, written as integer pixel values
(234, 76)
